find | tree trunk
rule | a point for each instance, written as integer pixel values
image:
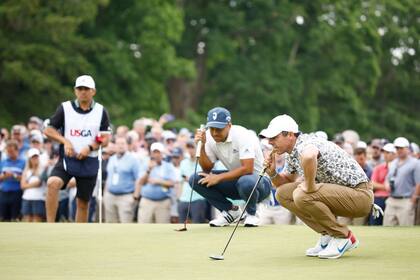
(184, 94)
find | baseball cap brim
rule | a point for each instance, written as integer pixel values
(269, 132)
(216, 124)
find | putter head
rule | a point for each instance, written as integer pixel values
(217, 257)
(181, 229)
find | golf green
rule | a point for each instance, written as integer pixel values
(134, 251)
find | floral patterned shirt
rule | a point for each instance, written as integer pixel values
(334, 165)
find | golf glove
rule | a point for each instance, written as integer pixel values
(377, 211)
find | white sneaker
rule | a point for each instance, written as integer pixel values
(226, 218)
(322, 243)
(338, 246)
(251, 221)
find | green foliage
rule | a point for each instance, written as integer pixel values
(323, 62)
(332, 65)
(41, 54)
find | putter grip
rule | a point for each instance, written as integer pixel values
(199, 144)
(198, 149)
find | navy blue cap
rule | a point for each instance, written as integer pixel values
(218, 117)
(177, 152)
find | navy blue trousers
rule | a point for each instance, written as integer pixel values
(235, 189)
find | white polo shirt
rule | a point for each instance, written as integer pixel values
(241, 143)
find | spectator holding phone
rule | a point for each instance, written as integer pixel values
(156, 187)
(11, 170)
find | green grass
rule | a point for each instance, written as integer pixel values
(112, 251)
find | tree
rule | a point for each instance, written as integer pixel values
(139, 56)
(320, 61)
(41, 55)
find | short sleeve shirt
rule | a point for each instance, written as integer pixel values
(334, 166)
(406, 176)
(240, 144)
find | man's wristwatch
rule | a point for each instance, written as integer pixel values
(90, 148)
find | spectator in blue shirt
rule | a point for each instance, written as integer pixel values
(10, 176)
(123, 173)
(156, 185)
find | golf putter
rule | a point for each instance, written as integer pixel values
(221, 256)
(197, 157)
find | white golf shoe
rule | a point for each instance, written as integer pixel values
(322, 243)
(251, 221)
(338, 246)
(226, 218)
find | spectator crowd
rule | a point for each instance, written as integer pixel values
(146, 170)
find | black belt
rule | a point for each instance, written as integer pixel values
(401, 197)
(157, 200)
(118, 194)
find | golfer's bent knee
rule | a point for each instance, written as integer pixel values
(281, 195)
(246, 183)
(301, 198)
(194, 179)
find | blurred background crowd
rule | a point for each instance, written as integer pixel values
(167, 157)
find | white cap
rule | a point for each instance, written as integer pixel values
(390, 148)
(414, 148)
(85, 81)
(401, 142)
(167, 134)
(37, 136)
(279, 124)
(157, 146)
(361, 145)
(33, 152)
(321, 134)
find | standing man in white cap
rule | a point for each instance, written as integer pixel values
(239, 150)
(156, 188)
(403, 181)
(76, 125)
(333, 185)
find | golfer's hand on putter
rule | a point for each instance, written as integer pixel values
(270, 164)
(200, 135)
(209, 179)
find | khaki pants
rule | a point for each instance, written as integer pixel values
(319, 209)
(399, 212)
(119, 208)
(151, 211)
